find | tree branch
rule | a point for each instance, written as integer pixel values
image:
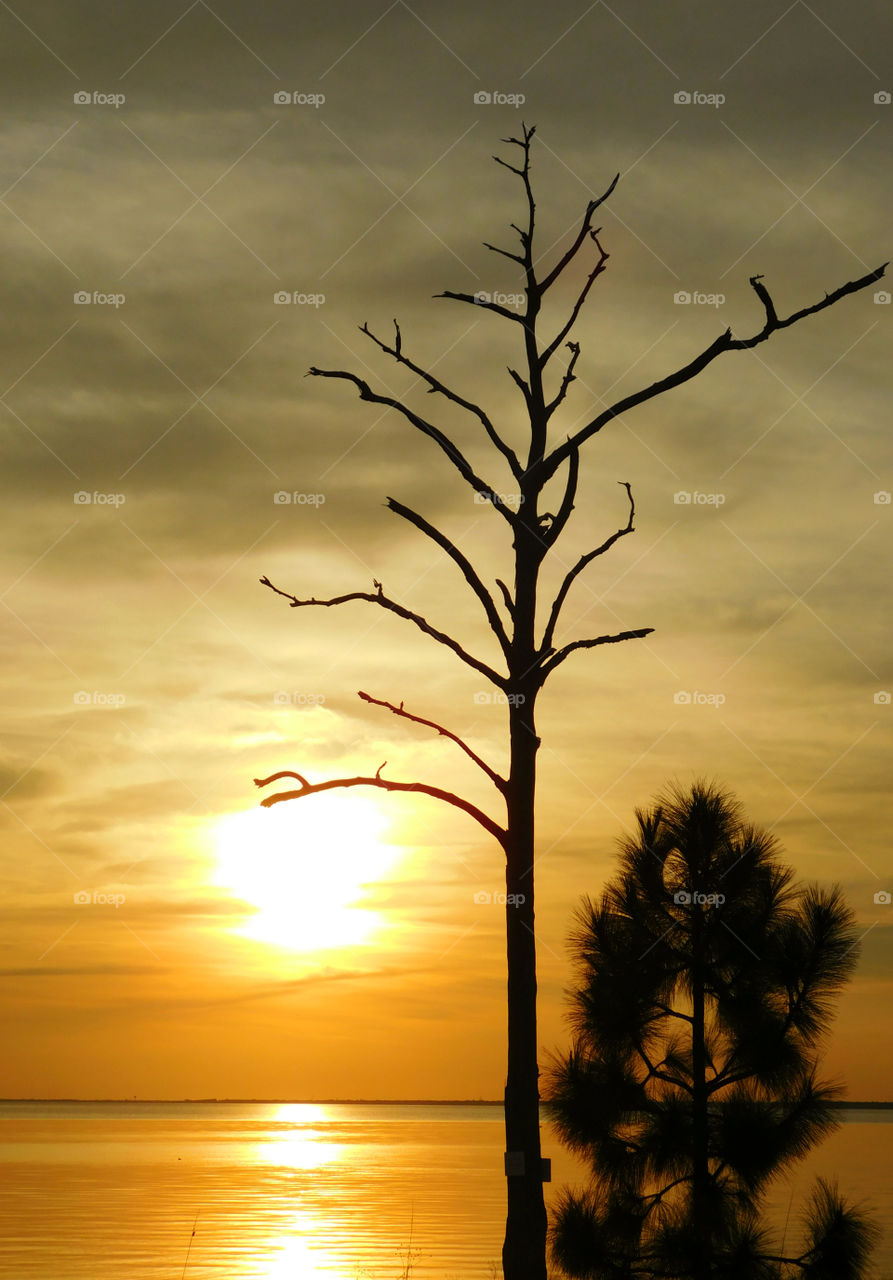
(498, 781)
(550, 535)
(599, 267)
(725, 342)
(436, 386)
(533, 289)
(581, 564)
(465, 566)
(674, 1013)
(567, 379)
(657, 1196)
(559, 656)
(506, 253)
(401, 611)
(657, 1074)
(477, 301)
(384, 784)
(507, 597)
(581, 236)
(459, 461)
(525, 389)
(506, 165)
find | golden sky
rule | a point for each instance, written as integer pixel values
(163, 936)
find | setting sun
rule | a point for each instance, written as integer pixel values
(304, 867)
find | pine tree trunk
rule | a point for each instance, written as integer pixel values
(700, 1150)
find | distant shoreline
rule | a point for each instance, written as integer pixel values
(298, 1102)
(362, 1102)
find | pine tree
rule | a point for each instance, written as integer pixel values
(705, 984)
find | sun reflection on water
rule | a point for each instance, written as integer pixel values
(298, 1259)
(294, 1141)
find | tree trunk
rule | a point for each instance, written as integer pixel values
(700, 1134)
(524, 1251)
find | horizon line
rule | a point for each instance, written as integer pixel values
(376, 1102)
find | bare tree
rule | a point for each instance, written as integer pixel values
(530, 658)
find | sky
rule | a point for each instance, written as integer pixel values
(167, 171)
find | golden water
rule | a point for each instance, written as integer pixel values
(112, 1191)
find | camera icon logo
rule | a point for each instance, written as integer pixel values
(82, 898)
(483, 898)
(82, 497)
(882, 98)
(82, 698)
(82, 98)
(882, 898)
(682, 698)
(82, 297)
(281, 698)
(882, 498)
(882, 298)
(682, 898)
(682, 98)
(682, 498)
(281, 498)
(282, 98)
(682, 298)
(282, 298)
(482, 296)
(482, 97)
(882, 698)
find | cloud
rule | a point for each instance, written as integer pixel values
(189, 399)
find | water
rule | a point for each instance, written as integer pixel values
(112, 1191)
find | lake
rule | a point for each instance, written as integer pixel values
(304, 1191)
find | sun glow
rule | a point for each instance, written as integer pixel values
(298, 1143)
(304, 866)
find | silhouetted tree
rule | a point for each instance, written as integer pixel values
(705, 982)
(529, 655)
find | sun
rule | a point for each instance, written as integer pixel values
(305, 866)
